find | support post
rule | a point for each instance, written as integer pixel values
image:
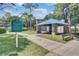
(16, 40)
(36, 26)
(50, 29)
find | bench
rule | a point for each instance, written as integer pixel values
(67, 37)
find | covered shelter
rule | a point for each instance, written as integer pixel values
(50, 23)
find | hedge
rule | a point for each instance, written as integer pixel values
(24, 29)
(2, 30)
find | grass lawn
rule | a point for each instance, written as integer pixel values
(57, 38)
(30, 32)
(7, 46)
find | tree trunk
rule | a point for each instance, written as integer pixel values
(66, 30)
(75, 29)
(69, 22)
(30, 19)
(30, 23)
(36, 25)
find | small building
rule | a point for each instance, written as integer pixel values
(75, 29)
(51, 26)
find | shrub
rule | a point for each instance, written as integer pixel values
(24, 29)
(13, 54)
(2, 30)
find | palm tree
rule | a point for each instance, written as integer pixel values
(25, 19)
(30, 6)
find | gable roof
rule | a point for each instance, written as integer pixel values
(51, 22)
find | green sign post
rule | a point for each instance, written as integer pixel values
(16, 26)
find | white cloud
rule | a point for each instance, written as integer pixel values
(40, 12)
(43, 10)
(50, 4)
(52, 12)
(40, 9)
(40, 16)
(20, 3)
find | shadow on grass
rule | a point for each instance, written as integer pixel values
(25, 44)
(21, 47)
(7, 45)
(22, 44)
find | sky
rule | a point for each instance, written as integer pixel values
(39, 13)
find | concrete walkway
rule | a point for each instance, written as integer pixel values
(45, 43)
(55, 49)
(69, 49)
(51, 54)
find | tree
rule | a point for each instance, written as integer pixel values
(7, 20)
(69, 12)
(30, 6)
(63, 12)
(25, 19)
(74, 8)
(7, 14)
(5, 5)
(50, 16)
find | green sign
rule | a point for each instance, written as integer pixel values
(16, 25)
